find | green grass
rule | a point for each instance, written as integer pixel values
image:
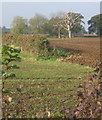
(48, 84)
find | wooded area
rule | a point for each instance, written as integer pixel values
(67, 24)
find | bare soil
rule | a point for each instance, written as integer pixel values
(84, 51)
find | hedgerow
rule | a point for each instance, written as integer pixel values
(36, 45)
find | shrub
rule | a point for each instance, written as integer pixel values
(58, 52)
(41, 47)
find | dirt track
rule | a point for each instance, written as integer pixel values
(85, 51)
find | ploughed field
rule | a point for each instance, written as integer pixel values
(84, 51)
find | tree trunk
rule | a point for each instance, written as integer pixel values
(69, 32)
(59, 35)
(70, 35)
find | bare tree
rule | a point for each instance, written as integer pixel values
(70, 20)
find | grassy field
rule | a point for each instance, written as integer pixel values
(45, 86)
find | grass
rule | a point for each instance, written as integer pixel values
(47, 85)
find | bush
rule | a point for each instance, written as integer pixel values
(41, 47)
(53, 54)
(58, 52)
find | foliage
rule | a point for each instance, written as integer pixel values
(58, 24)
(70, 21)
(41, 47)
(36, 23)
(37, 45)
(55, 26)
(28, 43)
(19, 25)
(78, 30)
(54, 53)
(95, 24)
(10, 54)
(48, 28)
(58, 52)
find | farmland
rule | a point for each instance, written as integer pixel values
(51, 65)
(46, 85)
(85, 51)
(49, 86)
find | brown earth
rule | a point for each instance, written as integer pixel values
(84, 51)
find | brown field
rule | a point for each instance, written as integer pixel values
(84, 51)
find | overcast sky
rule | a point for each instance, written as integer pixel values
(29, 9)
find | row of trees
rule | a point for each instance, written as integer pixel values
(63, 24)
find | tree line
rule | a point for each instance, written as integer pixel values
(63, 24)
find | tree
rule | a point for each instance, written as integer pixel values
(19, 25)
(36, 23)
(52, 27)
(57, 25)
(95, 24)
(78, 30)
(71, 20)
(47, 28)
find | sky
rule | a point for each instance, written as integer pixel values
(29, 9)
